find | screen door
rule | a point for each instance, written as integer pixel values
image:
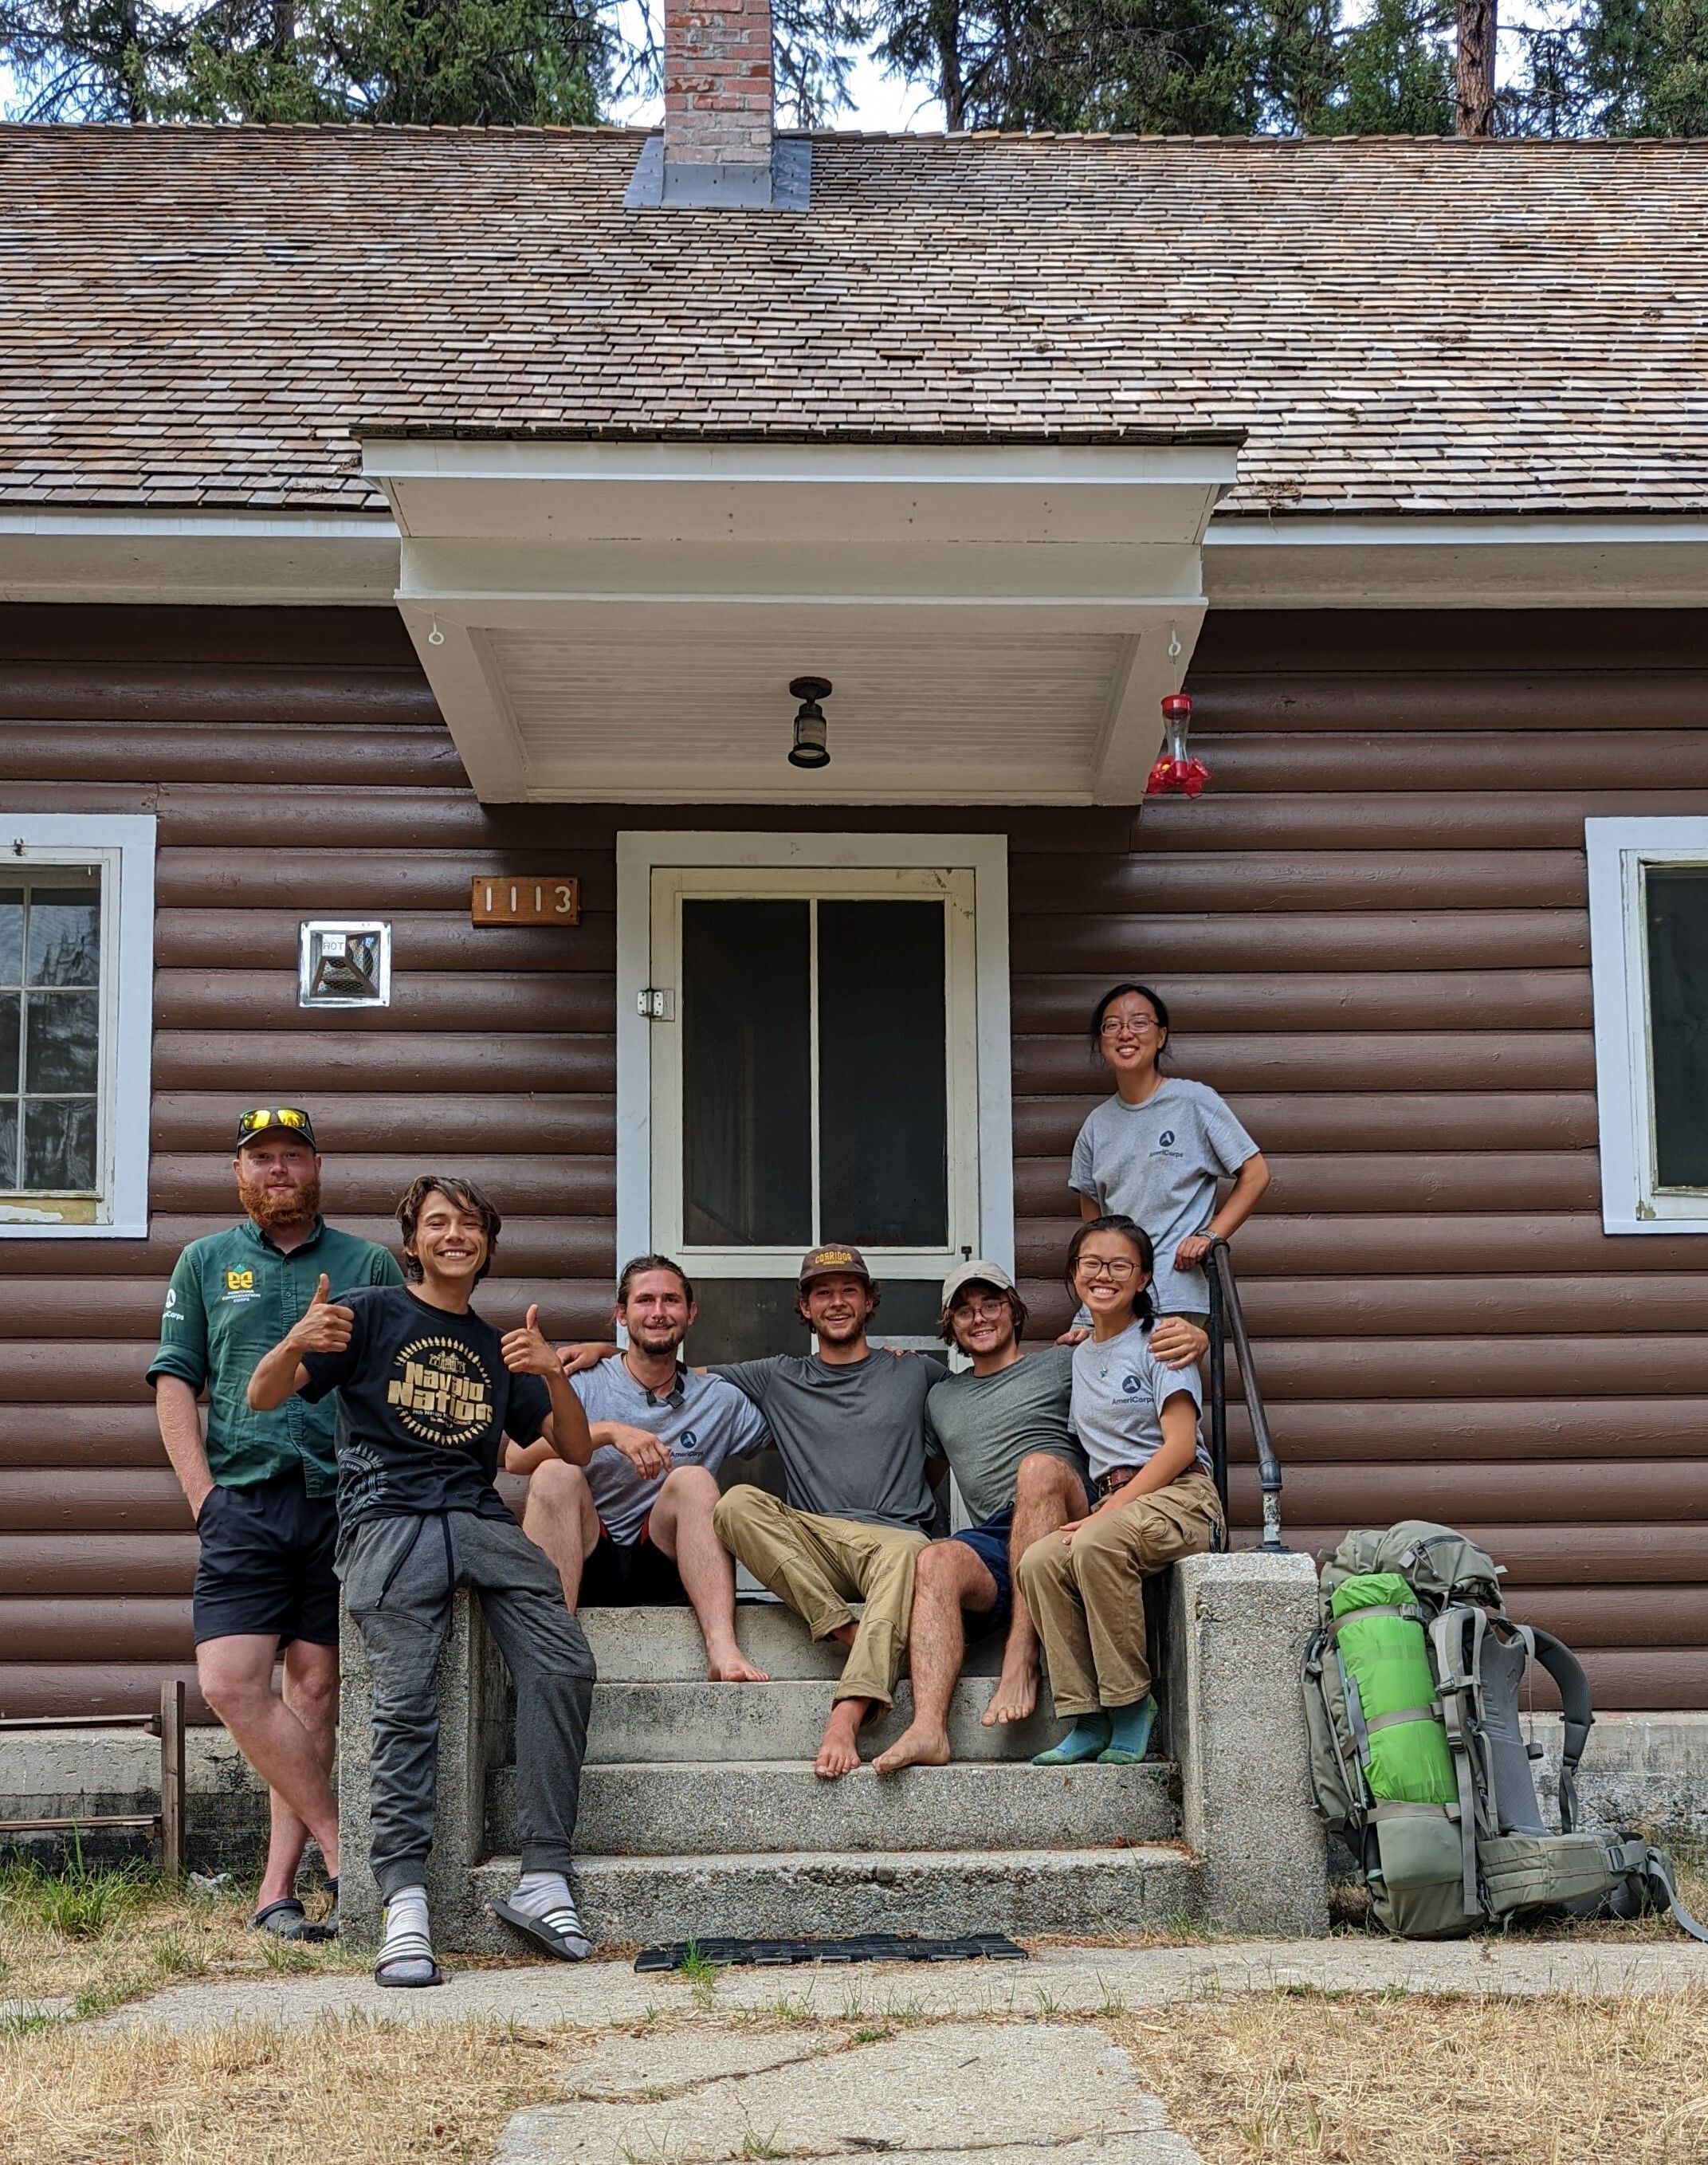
(814, 1079)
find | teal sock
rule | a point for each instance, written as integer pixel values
(1129, 1732)
(1086, 1740)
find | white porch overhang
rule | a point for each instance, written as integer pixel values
(619, 620)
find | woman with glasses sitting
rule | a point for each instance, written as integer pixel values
(1136, 1422)
(1154, 1151)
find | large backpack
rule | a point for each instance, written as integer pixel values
(1418, 1758)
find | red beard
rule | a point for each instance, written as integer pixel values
(272, 1207)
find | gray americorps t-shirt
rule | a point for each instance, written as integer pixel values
(701, 1422)
(1158, 1163)
(988, 1423)
(1120, 1390)
(854, 1438)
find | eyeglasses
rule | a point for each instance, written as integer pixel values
(271, 1116)
(979, 1311)
(1094, 1267)
(1115, 1028)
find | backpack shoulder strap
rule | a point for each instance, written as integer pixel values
(1657, 1870)
(1456, 1673)
(1574, 1688)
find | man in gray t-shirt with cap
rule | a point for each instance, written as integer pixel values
(1004, 1425)
(860, 1462)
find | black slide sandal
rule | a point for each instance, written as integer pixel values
(549, 1931)
(409, 1947)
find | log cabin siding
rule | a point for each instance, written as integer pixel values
(1373, 928)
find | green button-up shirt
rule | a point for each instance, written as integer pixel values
(232, 1297)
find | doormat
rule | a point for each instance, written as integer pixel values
(869, 1946)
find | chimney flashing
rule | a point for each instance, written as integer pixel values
(668, 183)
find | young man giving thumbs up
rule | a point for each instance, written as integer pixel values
(426, 1392)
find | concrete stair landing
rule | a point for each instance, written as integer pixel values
(700, 1814)
(702, 1817)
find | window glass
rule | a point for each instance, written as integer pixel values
(747, 1065)
(1678, 990)
(883, 1109)
(49, 1032)
(11, 936)
(65, 935)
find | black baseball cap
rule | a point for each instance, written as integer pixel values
(286, 1119)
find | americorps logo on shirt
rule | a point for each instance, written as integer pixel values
(1165, 1140)
(685, 1445)
(441, 1392)
(1131, 1384)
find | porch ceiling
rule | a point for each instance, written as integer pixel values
(611, 621)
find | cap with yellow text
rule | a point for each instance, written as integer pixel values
(834, 1262)
(276, 1119)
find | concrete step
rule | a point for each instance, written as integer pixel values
(658, 1723)
(714, 1808)
(1092, 1892)
(663, 1645)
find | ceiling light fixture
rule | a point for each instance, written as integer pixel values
(809, 749)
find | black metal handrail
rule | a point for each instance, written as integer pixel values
(1228, 1320)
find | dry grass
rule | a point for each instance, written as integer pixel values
(1390, 2081)
(351, 2093)
(99, 1937)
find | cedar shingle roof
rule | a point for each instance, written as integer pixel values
(200, 316)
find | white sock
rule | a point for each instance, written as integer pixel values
(546, 1895)
(405, 1953)
(538, 1892)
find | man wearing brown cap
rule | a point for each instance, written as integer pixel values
(259, 1485)
(860, 1462)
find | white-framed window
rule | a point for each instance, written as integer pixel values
(77, 985)
(826, 1057)
(1648, 960)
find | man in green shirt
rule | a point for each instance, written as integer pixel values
(259, 1485)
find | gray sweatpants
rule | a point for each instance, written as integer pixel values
(398, 1577)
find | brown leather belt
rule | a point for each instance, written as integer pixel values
(1117, 1477)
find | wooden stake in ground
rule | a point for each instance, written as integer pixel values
(1477, 33)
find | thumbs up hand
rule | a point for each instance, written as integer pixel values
(323, 1326)
(526, 1353)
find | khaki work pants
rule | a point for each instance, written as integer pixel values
(1087, 1599)
(819, 1565)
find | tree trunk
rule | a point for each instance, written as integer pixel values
(1476, 68)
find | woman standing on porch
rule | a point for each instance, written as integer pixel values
(1136, 1422)
(1154, 1151)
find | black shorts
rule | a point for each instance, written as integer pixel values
(266, 1564)
(629, 1575)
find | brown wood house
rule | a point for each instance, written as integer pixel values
(384, 513)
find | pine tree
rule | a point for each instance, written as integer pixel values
(1149, 67)
(422, 62)
(1396, 72)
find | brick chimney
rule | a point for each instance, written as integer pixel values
(717, 82)
(719, 148)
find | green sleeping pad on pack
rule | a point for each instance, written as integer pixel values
(1377, 1637)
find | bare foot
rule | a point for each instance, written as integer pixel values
(1015, 1697)
(837, 1753)
(845, 1634)
(917, 1747)
(730, 1665)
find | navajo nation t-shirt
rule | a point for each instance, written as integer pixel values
(424, 1404)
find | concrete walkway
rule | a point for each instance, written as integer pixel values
(993, 2094)
(595, 1995)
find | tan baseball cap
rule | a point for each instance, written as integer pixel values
(833, 1262)
(977, 1273)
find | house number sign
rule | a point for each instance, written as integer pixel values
(503, 899)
